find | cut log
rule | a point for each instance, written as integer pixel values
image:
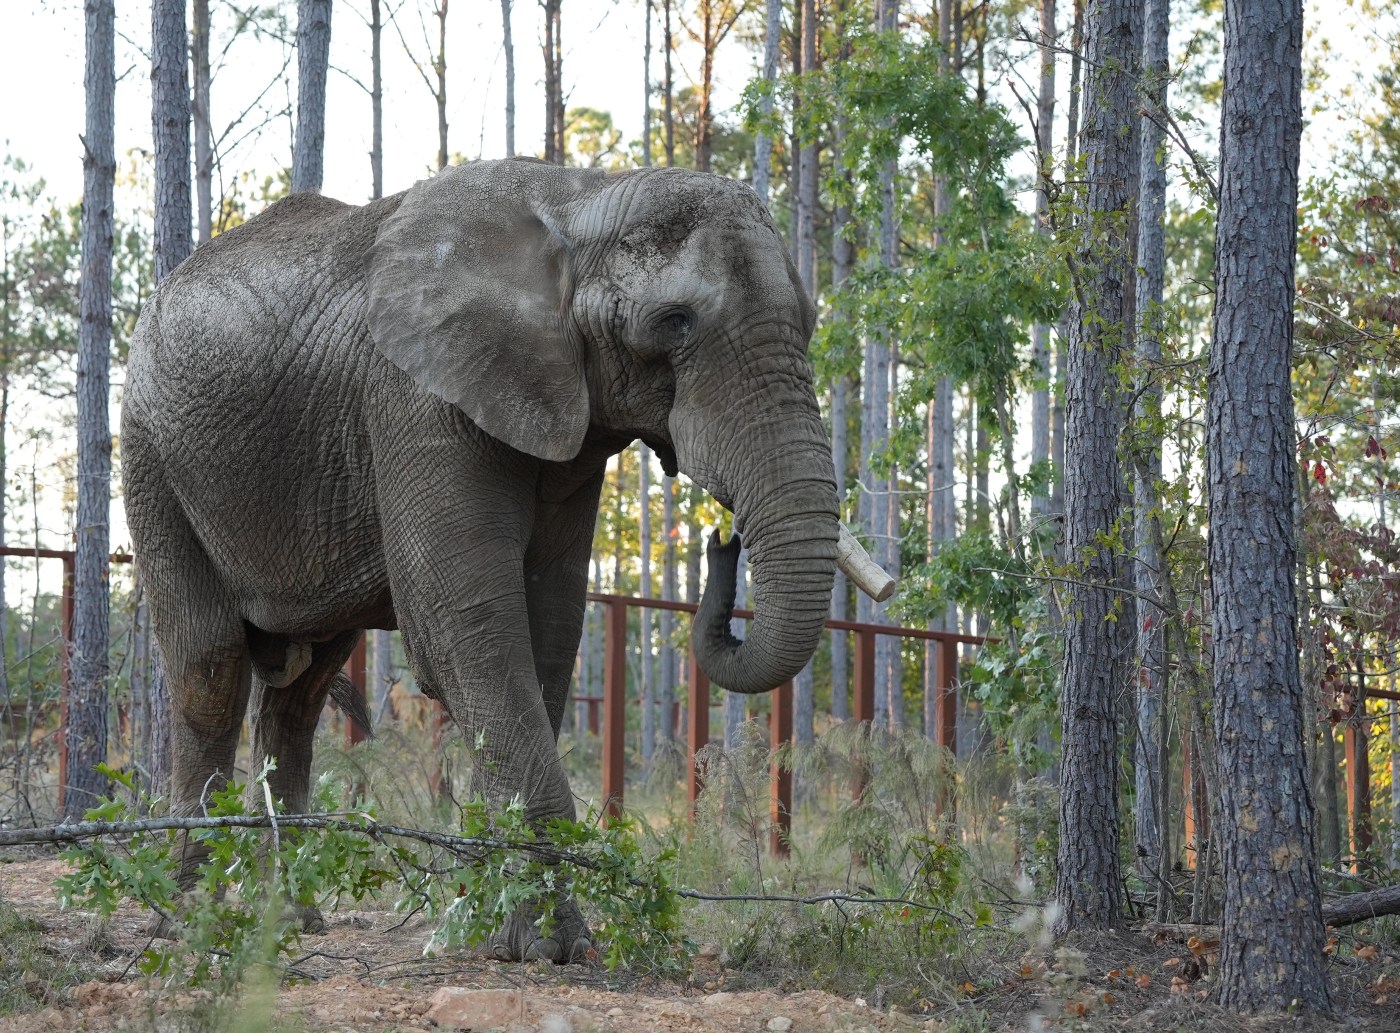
(1347, 910)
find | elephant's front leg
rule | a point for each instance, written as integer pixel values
(556, 587)
(456, 563)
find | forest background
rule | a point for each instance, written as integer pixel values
(929, 179)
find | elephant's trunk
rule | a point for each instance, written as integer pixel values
(783, 493)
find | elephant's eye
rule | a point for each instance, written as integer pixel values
(675, 324)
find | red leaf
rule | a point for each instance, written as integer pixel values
(1319, 474)
(1373, 447)
(1147, 623)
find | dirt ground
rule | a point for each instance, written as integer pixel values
(368, 973)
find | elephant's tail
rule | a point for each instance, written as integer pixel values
(351, 702)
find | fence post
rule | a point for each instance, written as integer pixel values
(1358, 762)
(355, 671)
(864, 698)
(945, 709)
(614, 705)
(697, 735)
(780, 784)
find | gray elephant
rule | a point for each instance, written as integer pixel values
(398, 415)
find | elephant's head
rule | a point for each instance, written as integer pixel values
(550, 304)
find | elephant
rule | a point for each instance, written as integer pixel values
(398, 415)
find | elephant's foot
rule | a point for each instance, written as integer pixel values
(521, 939)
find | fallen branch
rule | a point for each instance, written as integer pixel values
(468, 846)
(1348, 910)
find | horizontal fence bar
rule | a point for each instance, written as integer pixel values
(831, 623)
(57, 554)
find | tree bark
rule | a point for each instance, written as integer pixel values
(376, 99)
(86, 733)
(509, 48)
(1149, 569)
(669, 87)
(313, 62)
(668, 618)
(645, 673)
(646, 90)
(1088, 888)
(1040, 332)
(843, 261)
(170, 134)
(440, 70)
(1057, 403)
(1272, 934)
(203, 124)
(763, 143)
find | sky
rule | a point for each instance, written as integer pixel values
(42, 57)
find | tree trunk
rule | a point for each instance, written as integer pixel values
(645, 673)
(646, 91)
(843, 261)
(734, 702)
(203, 124)
(440, 69)
(170, 133)
(669, 87)
(553, 151)
(1149, 568)
(1057, 404)
(383, 675)
(763, 143)
(376, 99)
(1040, 333)
(313, 60)
(86, 733)
(1088, 888)
(668, 618)
(1271, 955)
(509, 48)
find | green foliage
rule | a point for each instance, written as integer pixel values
(244, 909)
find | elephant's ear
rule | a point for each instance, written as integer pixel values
(469, 285)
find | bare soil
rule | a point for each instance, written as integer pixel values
(368, 973)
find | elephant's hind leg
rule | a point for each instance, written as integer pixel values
(283, 726)
(201, 641)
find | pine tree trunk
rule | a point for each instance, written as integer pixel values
(1150, 682)
(203, 124)
(313, 62)
(648, 686)
(1057, 403)
(86, 733)
(170, 133)
(509, 48)
(376, 98)
(382, 676)
(1088, 888)
(1040, 333)
(1271, 955)
(763, 143)
(669, 656)
(646, 90)
(843, 261)
(440, 69)
(734, 703)
(669, 87)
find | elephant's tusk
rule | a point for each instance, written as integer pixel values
(864, 572)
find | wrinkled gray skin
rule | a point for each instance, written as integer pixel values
(341, 418)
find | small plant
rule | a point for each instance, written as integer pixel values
(244, 909)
